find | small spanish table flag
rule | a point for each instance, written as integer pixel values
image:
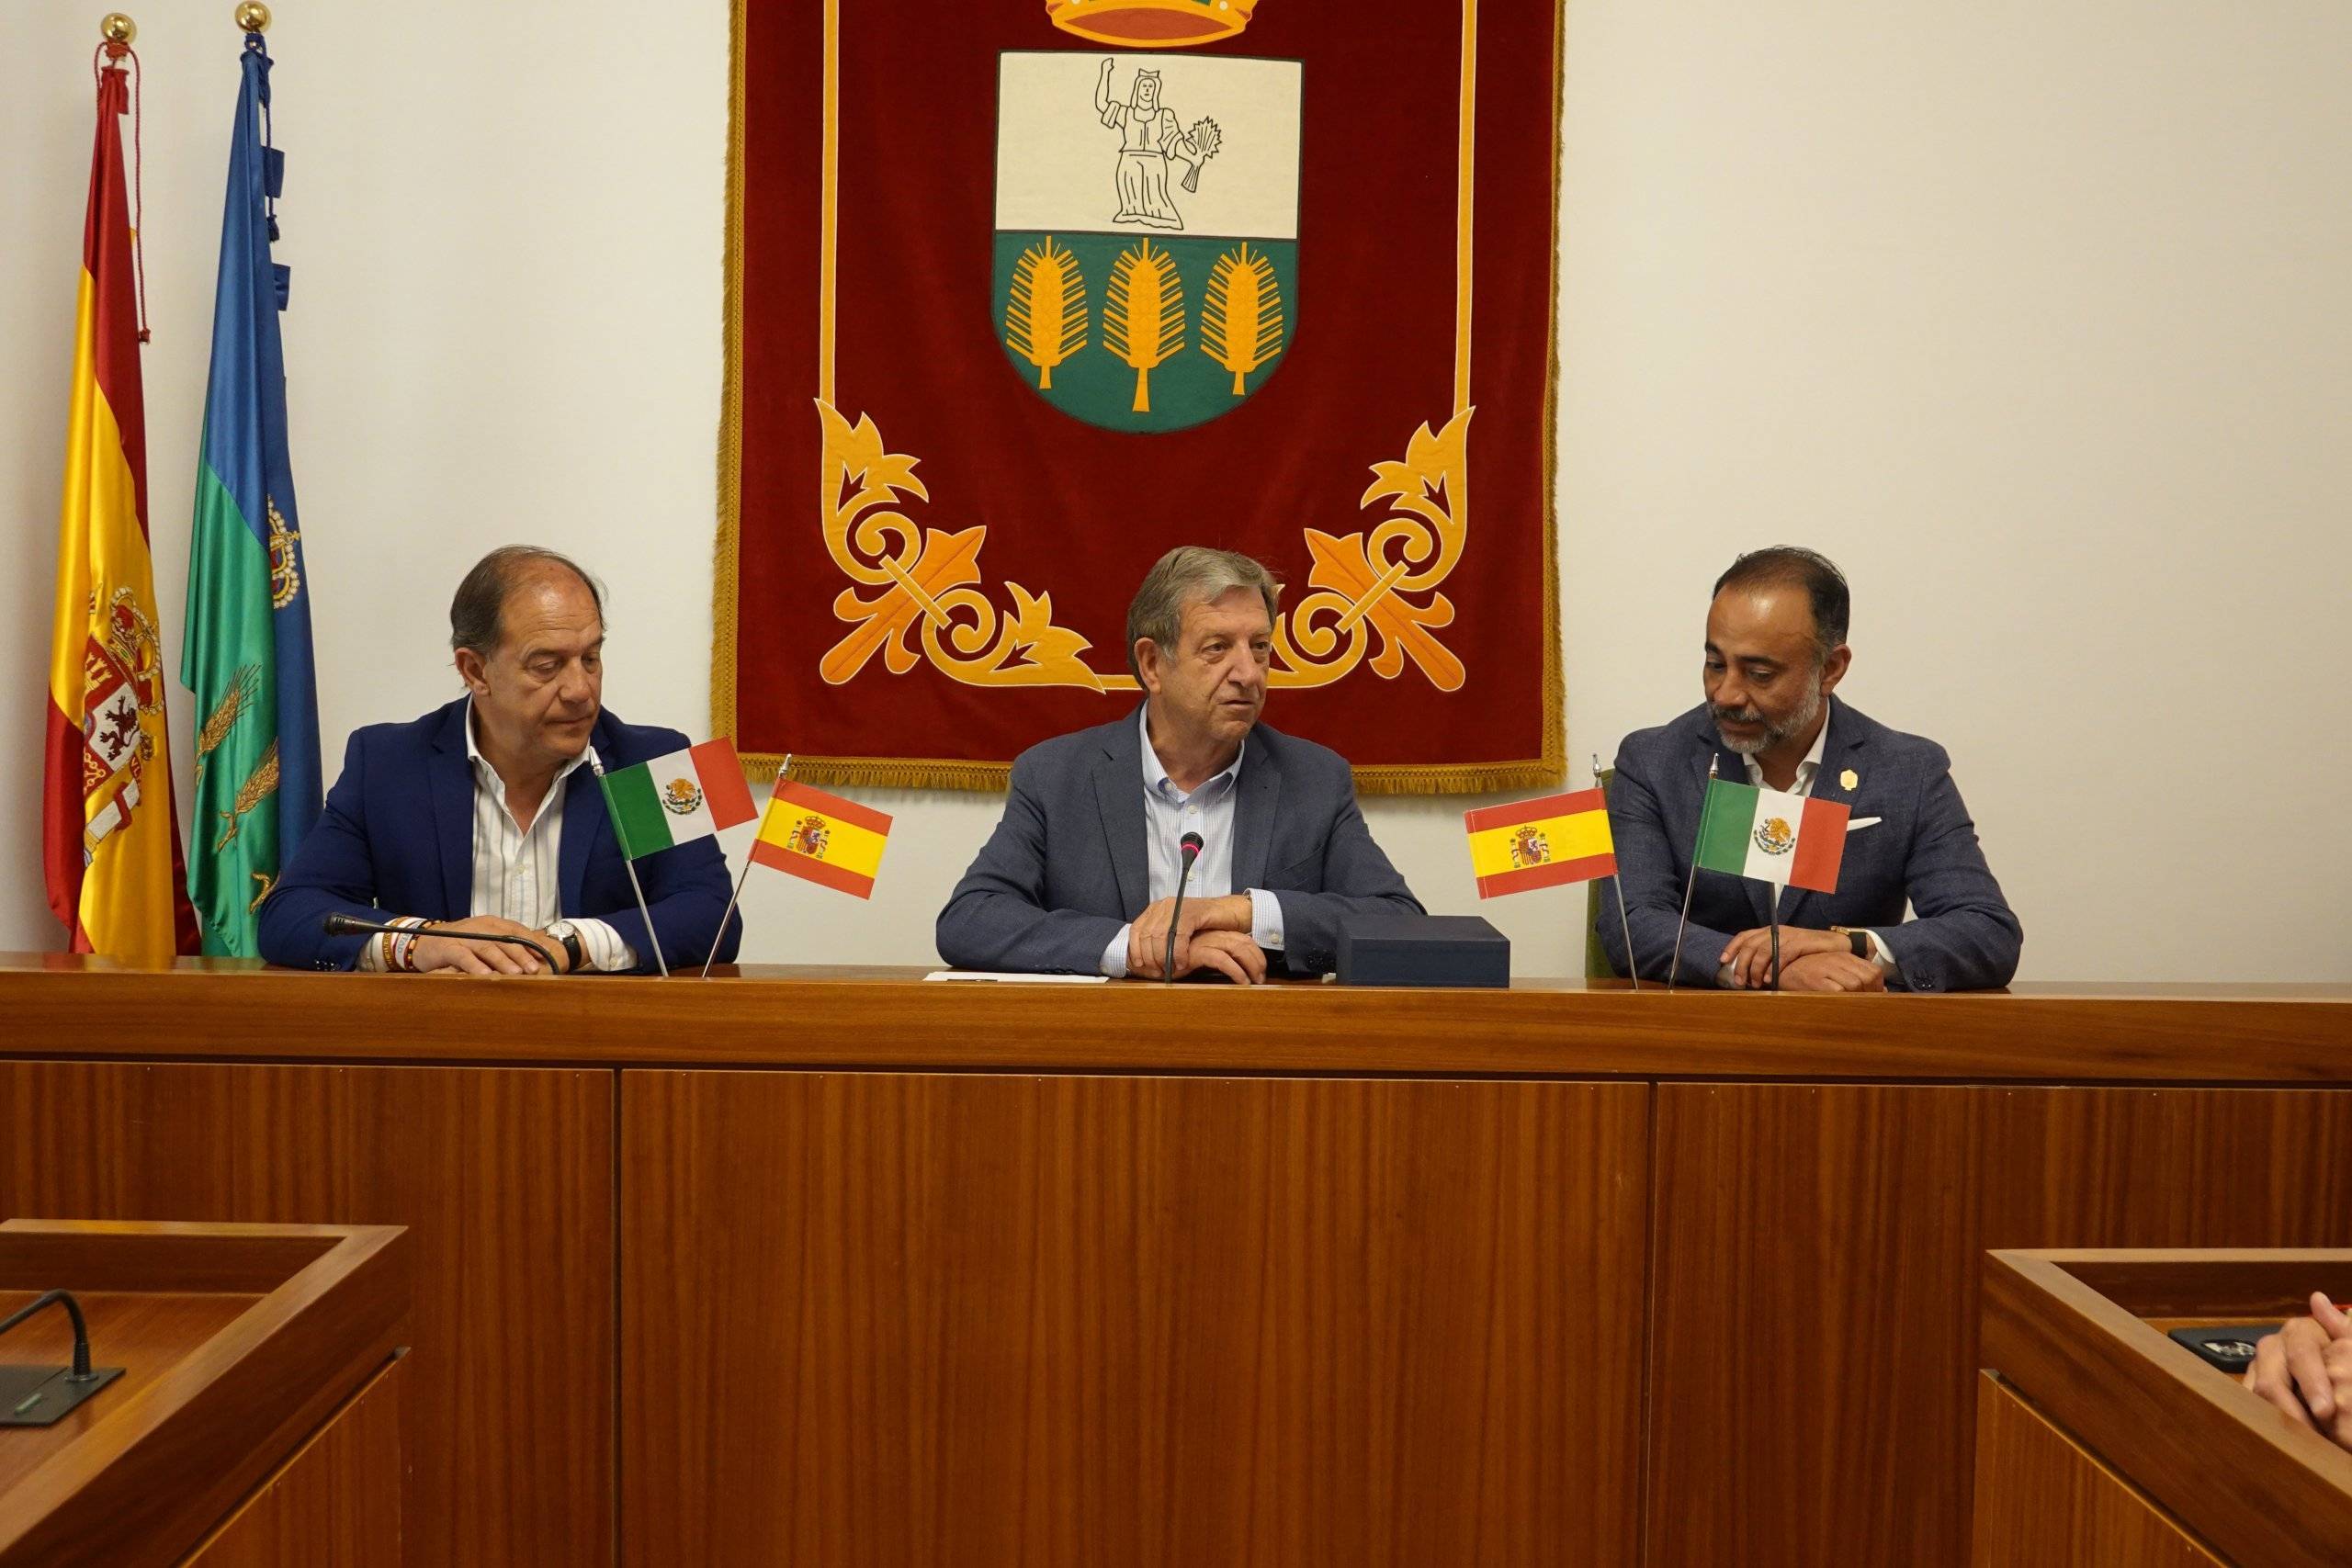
(827, 840)
(1541, 843)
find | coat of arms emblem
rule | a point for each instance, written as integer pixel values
(1529, 847)
(809, 836)
(1775, 837)
(681, 797)
(1136, 287)
(122, 699)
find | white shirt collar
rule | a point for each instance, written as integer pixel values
(1807, 770)
(1155, 773)
(482, 763)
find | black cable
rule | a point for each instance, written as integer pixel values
(81, 1373)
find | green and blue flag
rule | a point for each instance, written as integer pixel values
(246, 653)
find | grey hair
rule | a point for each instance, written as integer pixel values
(476, 614)
(1189, 574)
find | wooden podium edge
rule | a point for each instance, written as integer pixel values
(2225, 1464)
(119, 1495)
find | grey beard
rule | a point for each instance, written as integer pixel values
(1796, 724)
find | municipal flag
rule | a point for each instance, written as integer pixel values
(1541, 843)
(246, 653)
(110, 841)
(1792, 839)
(822, 837)
(686, 794)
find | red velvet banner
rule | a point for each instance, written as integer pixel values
(1016, 303)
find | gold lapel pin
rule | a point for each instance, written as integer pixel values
(1848, 779)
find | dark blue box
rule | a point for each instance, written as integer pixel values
(1424, 949)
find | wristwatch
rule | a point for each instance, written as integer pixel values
(575, 953)
(1861, 939)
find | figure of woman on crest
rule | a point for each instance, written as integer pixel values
(1149, 137)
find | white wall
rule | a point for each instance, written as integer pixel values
(2038, 317)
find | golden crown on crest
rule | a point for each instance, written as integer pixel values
(1151, 24)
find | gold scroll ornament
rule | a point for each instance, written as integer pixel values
(918, 588)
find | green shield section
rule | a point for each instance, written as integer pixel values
(228, 664)
(1186, 327)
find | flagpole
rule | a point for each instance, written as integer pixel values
(1624, 920)
(1675, 966)
(597, 766)
(720, 935)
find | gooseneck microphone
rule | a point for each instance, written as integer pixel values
(341, 924)
(1188, 849)
(81, 1373)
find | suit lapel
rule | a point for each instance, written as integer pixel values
(1844, 751)
(1259, 790)
(1118, 791)
(584, 824)
(451, 781)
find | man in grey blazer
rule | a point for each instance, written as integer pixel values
(1776, 650)
(1081, 875)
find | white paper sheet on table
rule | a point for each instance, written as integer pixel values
(1010, 978)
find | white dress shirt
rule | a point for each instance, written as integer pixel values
(515, 866)
(1168, 813)
(1808, 770)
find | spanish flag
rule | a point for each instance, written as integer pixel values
(110, 842)
(822, 838)
(1541, 843)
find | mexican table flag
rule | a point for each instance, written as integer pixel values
(1541, 843)
(822, 838)
(1791, 840)
(685, 795)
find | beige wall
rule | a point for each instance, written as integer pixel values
(2039, 317)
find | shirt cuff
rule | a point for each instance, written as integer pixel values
(1115, 957)
(371, 952)
(607, 953)
(1878, 951)
(1265, 920)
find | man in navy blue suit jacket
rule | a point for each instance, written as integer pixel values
(479, 818)
(1776, 650)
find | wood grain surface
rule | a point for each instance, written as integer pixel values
(1828, 1238)
(2043, 1501)
(2262, 1492)
(882, 1319)
(504, 1179)
(893, 1018)
(206, 1406)
(335, 1504)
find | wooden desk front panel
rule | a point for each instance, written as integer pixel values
(892, 1319)
(1812, 1344)
(336, 1503)
(504, 1179)
(2043, 1501)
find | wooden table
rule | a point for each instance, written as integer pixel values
(840, 1266)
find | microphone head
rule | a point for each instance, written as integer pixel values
(1190, 844)
(338, 923)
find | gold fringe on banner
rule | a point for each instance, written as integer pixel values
(931, 773)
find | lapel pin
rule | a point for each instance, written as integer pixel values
(1848, 779)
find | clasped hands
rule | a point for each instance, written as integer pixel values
(450, 949)
(1809, 961)
(2305, 1370)
(1212, 933)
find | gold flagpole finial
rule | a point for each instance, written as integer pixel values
(253, 18)
(115, 27)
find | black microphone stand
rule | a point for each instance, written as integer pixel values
(1189, 847)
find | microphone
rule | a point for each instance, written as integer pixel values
(340, 924)
(37, 1395)
(1188, 849)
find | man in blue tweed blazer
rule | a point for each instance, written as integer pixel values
(1079, 875)
(1776, 650)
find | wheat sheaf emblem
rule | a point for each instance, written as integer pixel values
(1045, 318)
(1241, 320)
(1143, 315)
